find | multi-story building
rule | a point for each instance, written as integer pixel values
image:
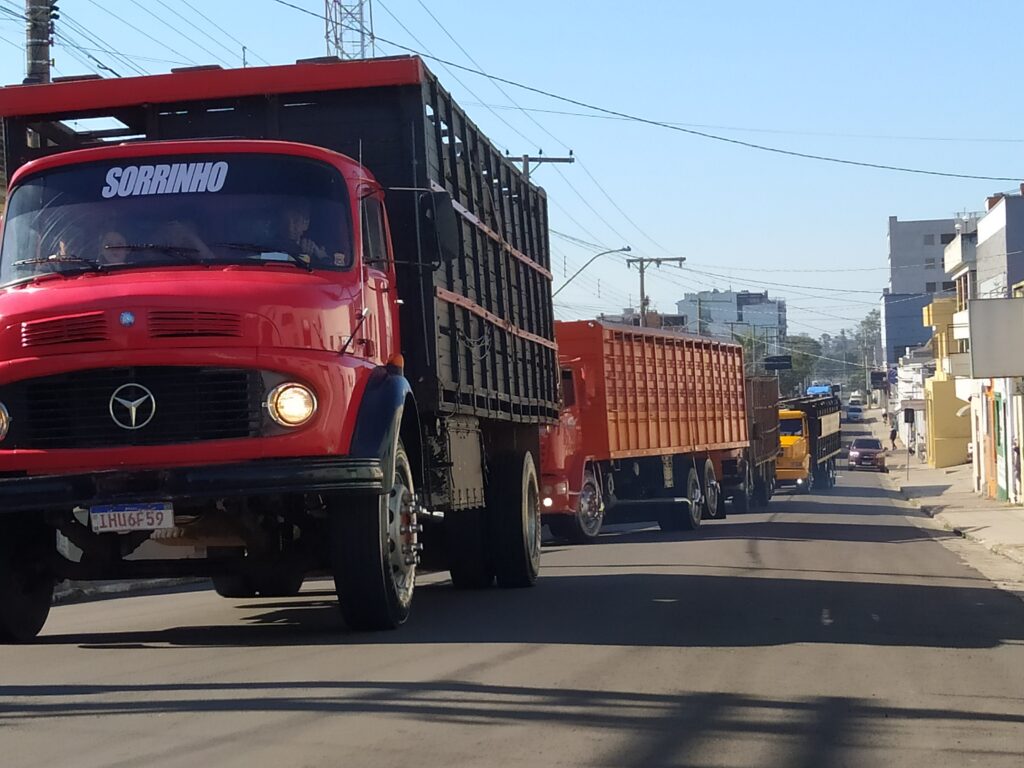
(730, 313)
(916, 274)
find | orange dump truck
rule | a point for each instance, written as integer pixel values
(651, 420)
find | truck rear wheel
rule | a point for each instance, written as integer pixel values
(234, 585)
(585, 525)
(685, 517)
(714, 509)
(374, 552)
(469, 558)
(26, 587)
(514, 502)
(744, 494)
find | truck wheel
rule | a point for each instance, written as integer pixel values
(685, 517)
(469, 559)
(585, 526)
(287, 583)
(514, 504)
(742, 498)
(374, 552)
(714, 509)
(234, 585)
(26, 587)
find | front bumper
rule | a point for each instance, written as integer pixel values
(789, 476)
(251, 478)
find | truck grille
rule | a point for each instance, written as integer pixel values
(64, 330)
(184, 323)
(79, 410)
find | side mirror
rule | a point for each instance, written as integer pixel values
(441, 219)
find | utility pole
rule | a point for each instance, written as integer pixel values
(540, 159)
(39, 18)
(641, 263)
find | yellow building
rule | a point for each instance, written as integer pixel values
(947, 416)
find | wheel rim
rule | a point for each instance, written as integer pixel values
(695, 508)
(403, 533)
(589, 509)
(531, 498)
(711, 492)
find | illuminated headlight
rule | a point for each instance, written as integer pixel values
(854, 454)
(548, 503)
(799, 481)
(5, 421)
(291, 404)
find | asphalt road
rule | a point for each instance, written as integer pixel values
(838, 630)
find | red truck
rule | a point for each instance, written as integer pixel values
(325, 344)
(654, 426)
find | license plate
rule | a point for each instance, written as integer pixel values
(121, 518)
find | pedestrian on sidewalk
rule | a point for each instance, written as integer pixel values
(892, 436)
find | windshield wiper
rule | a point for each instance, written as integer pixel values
(257, 249)
(60, 258)
(181, 251)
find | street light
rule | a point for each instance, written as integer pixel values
(623, 249)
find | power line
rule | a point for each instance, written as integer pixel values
(226, 33)
(780, 131)
(201, 31)
(702, 134)
(181, 34)
(73, 26)
(143, 32)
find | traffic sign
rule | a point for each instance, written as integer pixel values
(778, 362)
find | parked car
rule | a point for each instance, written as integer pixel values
(854, 413)
(867, 453)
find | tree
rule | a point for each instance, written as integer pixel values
(805, 352)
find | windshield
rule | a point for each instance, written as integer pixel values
(866, 444)
(236, 208)
(791, 427)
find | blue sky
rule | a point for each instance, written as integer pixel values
(883, 82)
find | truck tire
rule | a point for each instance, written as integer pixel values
(469, 559)
(373, 544)
(744, 494)
(685, 517)
(26, 587)
(585, 525)
(234, 585)
(286, 583)
(714, 508)
(514, 503)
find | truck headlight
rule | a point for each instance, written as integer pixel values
(5, 421)
(291, 404)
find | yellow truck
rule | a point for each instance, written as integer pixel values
(809, 431)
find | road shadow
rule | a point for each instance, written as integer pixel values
(632, 609)
(653, 730)
(643, 729)
(926, 491)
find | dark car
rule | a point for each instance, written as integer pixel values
(867, 453)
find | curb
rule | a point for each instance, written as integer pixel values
(935, 513)
(68, 592)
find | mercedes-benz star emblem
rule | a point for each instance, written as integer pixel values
(132, 406)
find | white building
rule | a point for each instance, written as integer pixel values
(729, 313)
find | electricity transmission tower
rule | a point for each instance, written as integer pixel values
(348, 29)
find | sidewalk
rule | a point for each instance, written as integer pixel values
(947, 496)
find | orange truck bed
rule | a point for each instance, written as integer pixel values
(651, 392)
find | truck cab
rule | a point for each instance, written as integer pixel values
(794, 463)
